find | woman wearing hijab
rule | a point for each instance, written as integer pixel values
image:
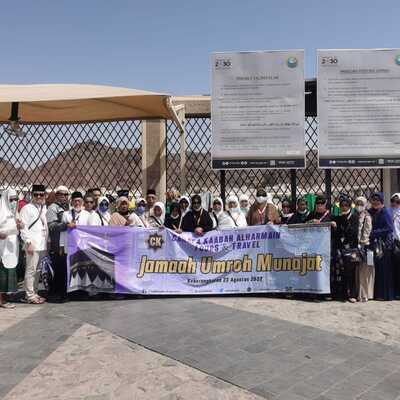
(394, 212)
(302, 213)
(285, 213)
(321, 213)
(140, 211)
(173, 220)
(365, 277)
(345, 238)
(101, 216)
(381, 239)
(234, 212)
(9, 246)
(184, 203)
(197, 219)
(244, 204)
(156, 220)
(263, 211)
(220, 219)
(121, 217)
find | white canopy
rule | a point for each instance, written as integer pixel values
(67, 103)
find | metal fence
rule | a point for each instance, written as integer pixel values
(106, 155)
(281, 183)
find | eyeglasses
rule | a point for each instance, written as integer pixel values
(38, 194)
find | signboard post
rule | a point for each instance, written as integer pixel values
(257, 110)
(359, 108)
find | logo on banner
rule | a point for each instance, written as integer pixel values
(223, 63)
(155, 241)
(292, 62)
(397, 59)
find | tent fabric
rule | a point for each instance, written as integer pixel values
(69, 103)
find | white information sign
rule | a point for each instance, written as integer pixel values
(257, 110)
(359, 108)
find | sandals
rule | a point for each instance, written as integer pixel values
(36, 300)
(8, 306)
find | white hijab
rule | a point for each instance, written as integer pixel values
(233, 199)
(162, 217)
(9, 249)
(188, 208)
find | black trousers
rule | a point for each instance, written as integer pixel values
(349, 280)
(396, 271)
(59, 285)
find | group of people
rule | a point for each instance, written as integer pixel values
(365, 242)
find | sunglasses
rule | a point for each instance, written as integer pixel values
(104, 204)
(38, 194)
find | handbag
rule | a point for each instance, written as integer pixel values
(46, 272)
(378, 249)
(396, 248)
(352, 255)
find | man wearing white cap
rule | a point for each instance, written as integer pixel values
(54, 216)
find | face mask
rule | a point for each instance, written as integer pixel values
(103, 208)
(261, 199)
(244, 209)
(13, 206)
(140, 210)
(360, 209)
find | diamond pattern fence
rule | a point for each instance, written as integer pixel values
(106, 155)
(312, 179)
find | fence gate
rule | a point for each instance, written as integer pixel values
(80, 156)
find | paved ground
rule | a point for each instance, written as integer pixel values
(185, 348)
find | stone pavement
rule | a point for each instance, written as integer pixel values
(187, 348)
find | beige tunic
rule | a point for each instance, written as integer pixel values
(365, 275)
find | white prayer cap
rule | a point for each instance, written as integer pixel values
(62, 189)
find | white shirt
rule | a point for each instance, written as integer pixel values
(239, 218)
(224, 220)
(95, 219)
(396, 224)
(37, 235)
(135, 220)
(81, 218)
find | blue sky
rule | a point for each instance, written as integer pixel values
(165, 45)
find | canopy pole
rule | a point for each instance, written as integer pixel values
(175, 117)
